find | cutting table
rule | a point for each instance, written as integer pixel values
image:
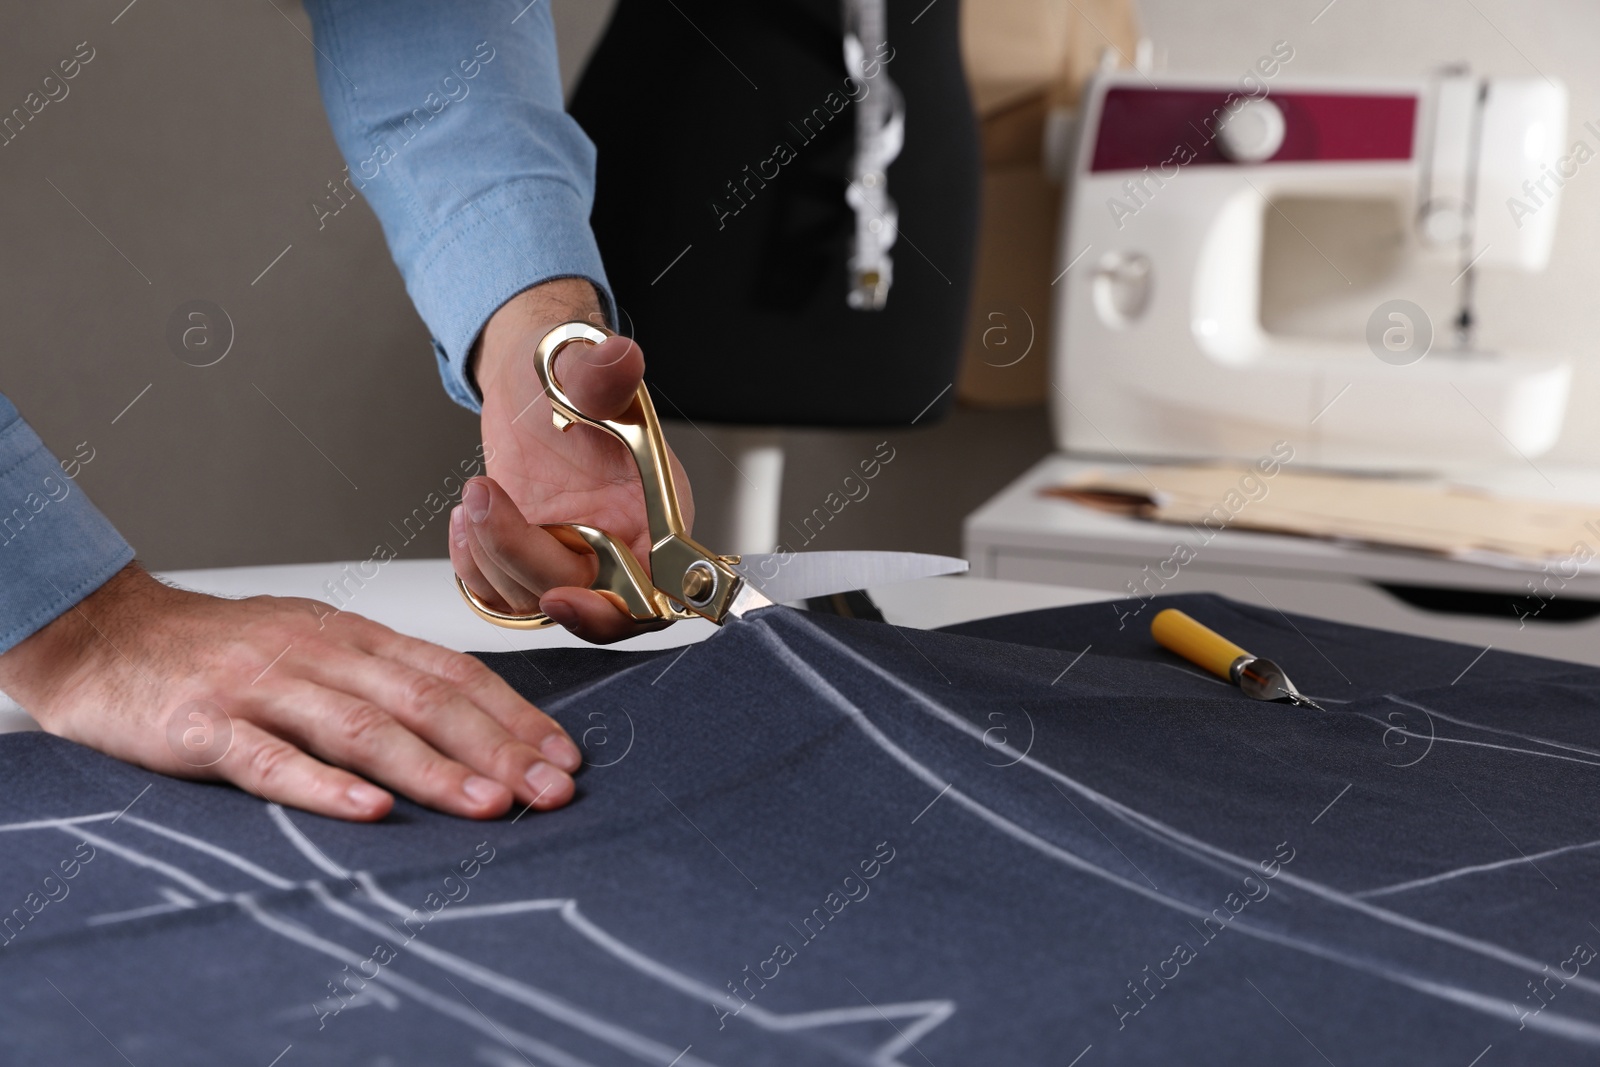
(418, 597)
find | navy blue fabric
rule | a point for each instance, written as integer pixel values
(811, 840)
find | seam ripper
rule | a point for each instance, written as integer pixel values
(1256, 677)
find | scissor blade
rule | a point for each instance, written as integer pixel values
(783, 577)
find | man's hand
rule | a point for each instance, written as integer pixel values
(302, 691)
(538, 474)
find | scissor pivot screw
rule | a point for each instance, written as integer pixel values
(699, 581)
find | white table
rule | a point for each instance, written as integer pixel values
(1025, 536)
(418, 597)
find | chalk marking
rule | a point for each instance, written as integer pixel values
(1102, 833)
(926, 1014)
(907, 1040)
(54, 824)
(232, 859)
(544, 1003)
(1388, 727)
(1476, 868)
(138, 913)
(1502, 833)
(1494, 1006)
(1531, 738)
(139, 859)
(304, 845)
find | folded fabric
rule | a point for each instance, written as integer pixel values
(808, 840)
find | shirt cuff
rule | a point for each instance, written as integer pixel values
(55, 546)
(517, 236)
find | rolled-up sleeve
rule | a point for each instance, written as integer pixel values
(55, 546)
(450, 117)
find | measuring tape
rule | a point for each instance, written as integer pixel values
(880, 134)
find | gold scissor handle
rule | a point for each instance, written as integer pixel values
(689, 580)
(619, 579)
(637, 428)
(682, 569)
(537, 620)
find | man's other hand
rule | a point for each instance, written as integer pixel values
(288, 700)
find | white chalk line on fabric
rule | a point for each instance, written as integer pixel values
(1565, 1026)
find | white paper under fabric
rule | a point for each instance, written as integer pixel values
(880, 132)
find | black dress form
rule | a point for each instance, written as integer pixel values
(725, 133)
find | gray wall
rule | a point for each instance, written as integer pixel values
(190, 149)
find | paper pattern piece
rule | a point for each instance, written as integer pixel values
(1427, 516)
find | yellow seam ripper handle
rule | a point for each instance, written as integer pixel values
(1196, 643)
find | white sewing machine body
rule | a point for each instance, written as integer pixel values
(1159, 348)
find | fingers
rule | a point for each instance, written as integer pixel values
(520, 564)
(356, 733)
(487, 581)
(481, 517)
(472, 688)
(433, 724)
(517, 566)
(513, 560)
(466, 567)
(435, 710)
(272, 768)
(601, 379)
(591, 616)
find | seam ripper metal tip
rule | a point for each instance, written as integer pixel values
(1256, 677)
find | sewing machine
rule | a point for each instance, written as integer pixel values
(1160, 347)
(1184, 197)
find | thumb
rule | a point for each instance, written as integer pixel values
(601, 379)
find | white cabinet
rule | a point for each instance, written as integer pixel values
(1022, 535)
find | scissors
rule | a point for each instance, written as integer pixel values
(686, 579)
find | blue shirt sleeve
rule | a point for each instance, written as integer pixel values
(450, 117)
(55, 547)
